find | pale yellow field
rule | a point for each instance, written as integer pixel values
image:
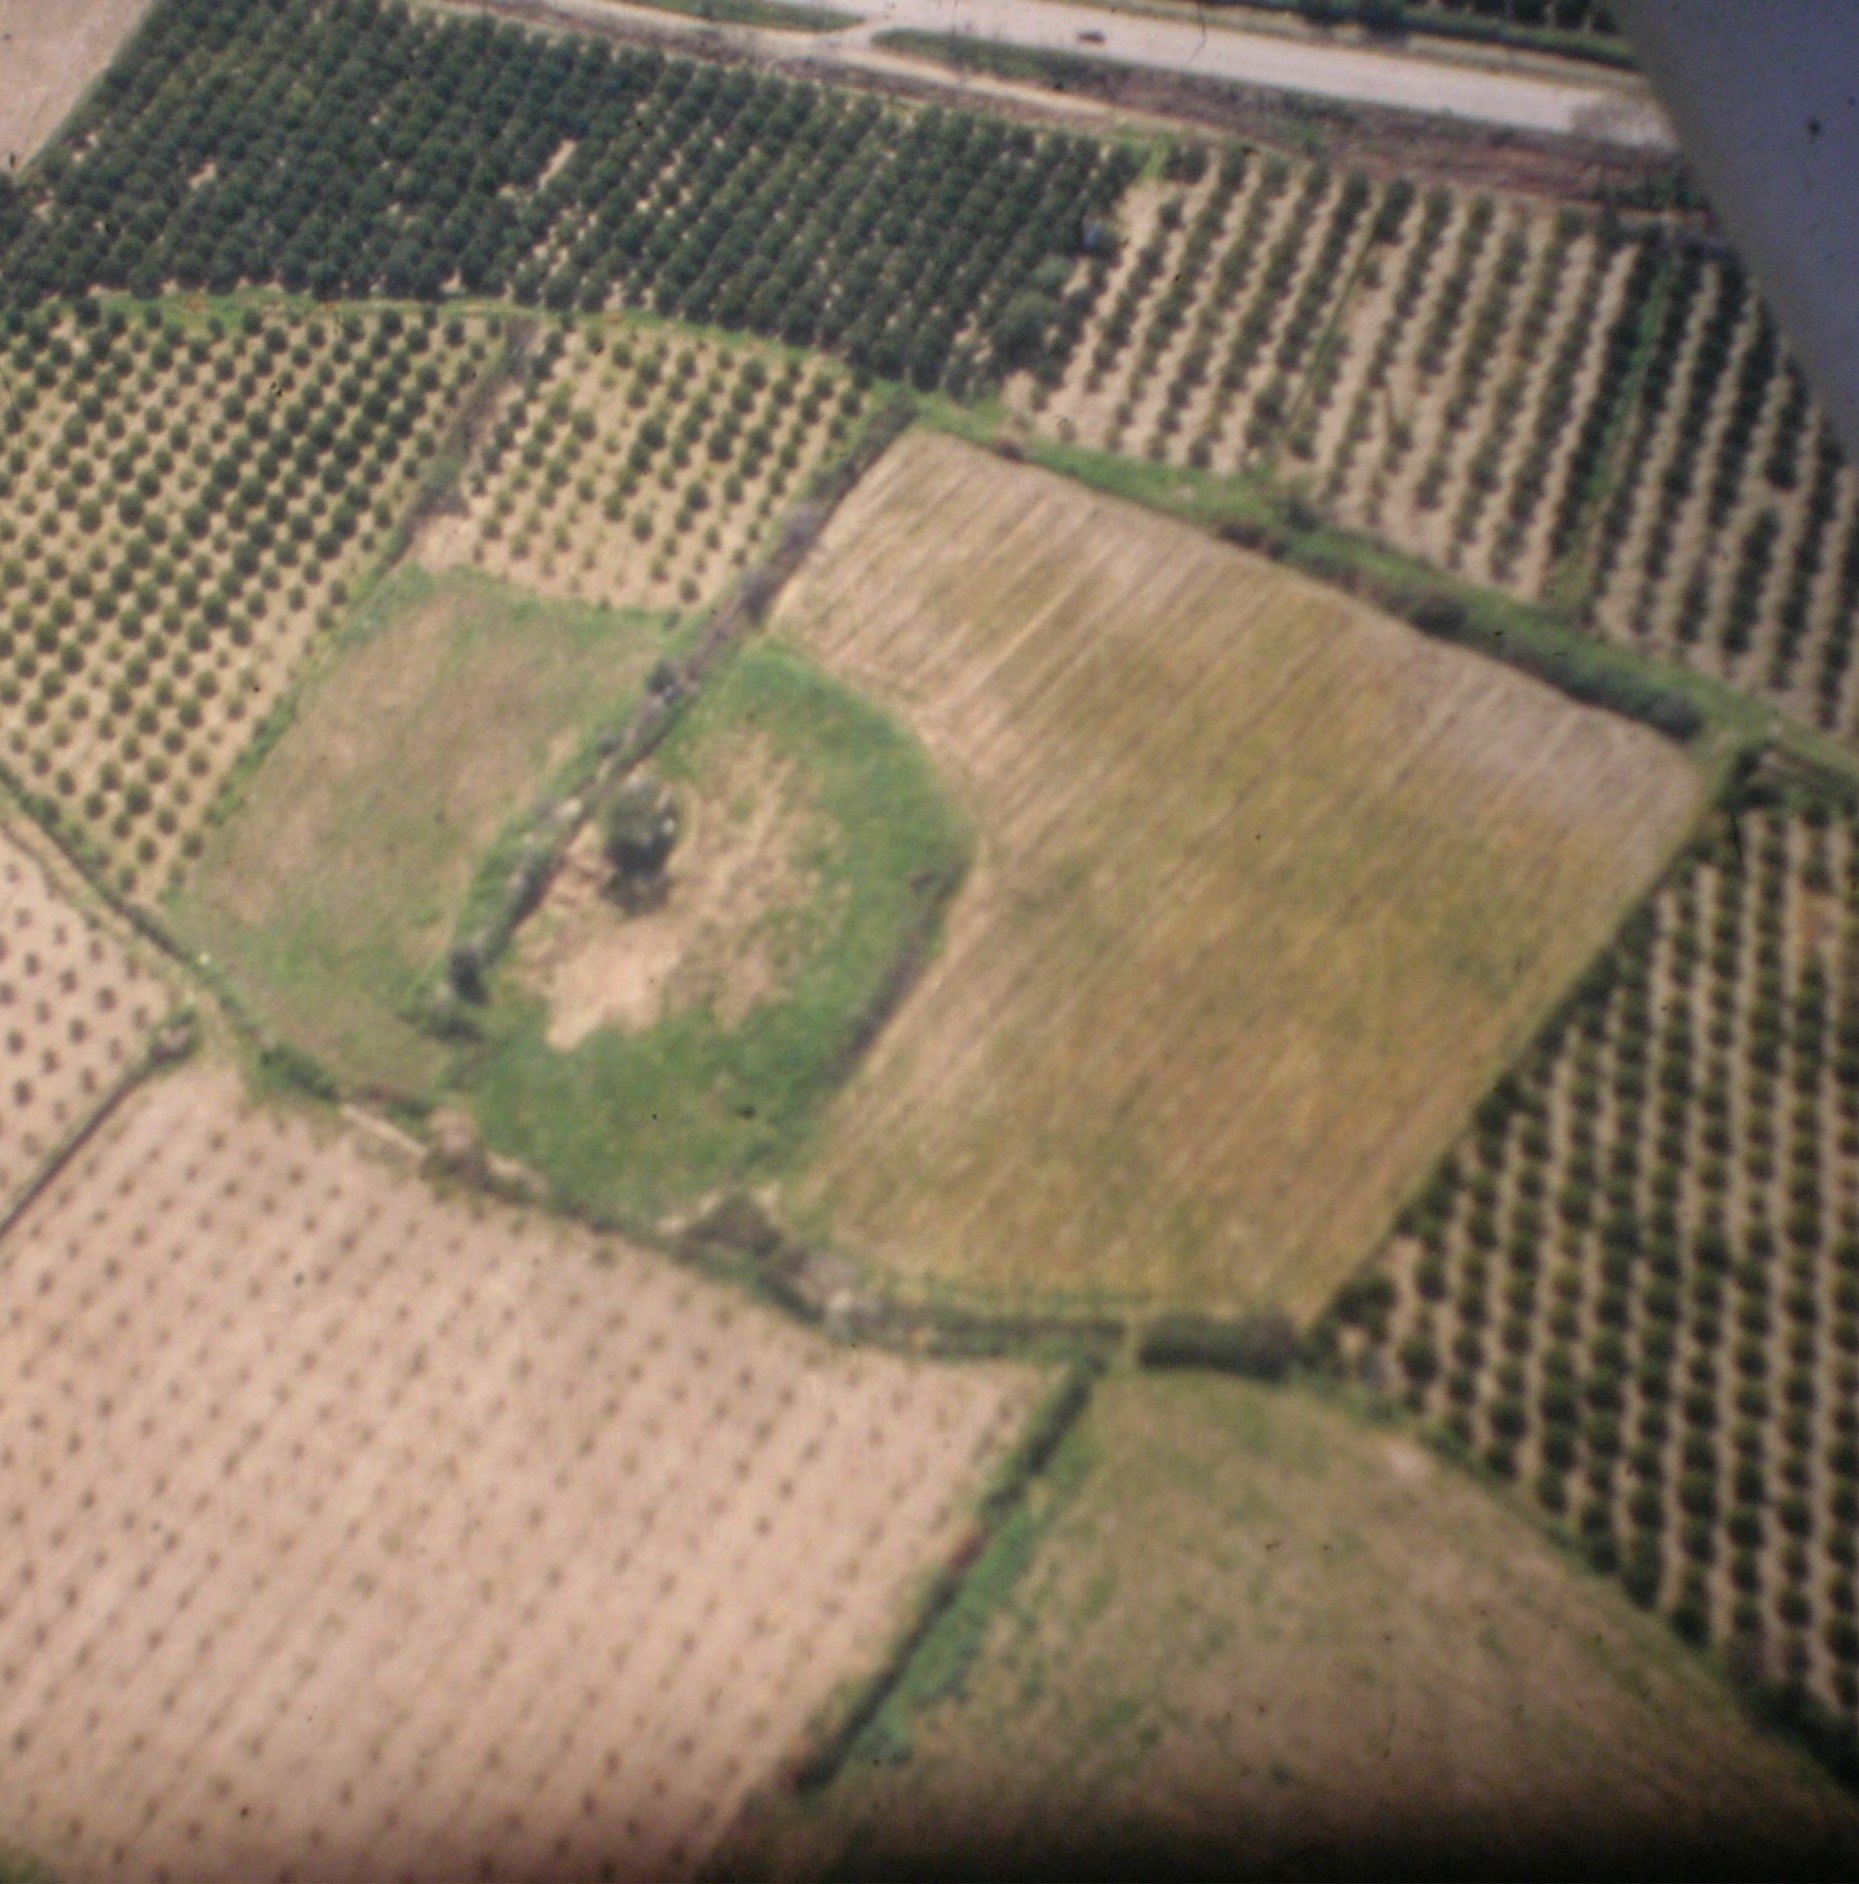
(1269, 886)
(76, 1009)
(351, 1532)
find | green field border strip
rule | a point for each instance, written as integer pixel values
(847, 1718)
(1390, 23)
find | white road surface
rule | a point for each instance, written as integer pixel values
(1616, 108)
(1619, 111)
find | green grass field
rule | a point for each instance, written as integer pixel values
(780, 19)
(636, 1120)
(331, 889)
(1242, 1631)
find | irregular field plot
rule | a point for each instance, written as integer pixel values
(183, 500)
(1634, 1285)
(628, 466)
(336, 883)
(419, 1539)
(1269, 887)
(635, 1103)
(53, 50)
(1253, 1632)
(75, 1013)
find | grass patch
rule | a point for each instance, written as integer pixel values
(632, 1122)
(1250, 1632)
(780, 19)
(330, 885)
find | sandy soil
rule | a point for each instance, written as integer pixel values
(75, 1013)
(711, 940)
(600, 530)
(50, 52)
(356, 1533)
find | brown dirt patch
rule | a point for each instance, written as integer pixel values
(714, 939)
(353, 1532)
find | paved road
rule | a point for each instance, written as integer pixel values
(1615, 109)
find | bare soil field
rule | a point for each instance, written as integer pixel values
(1257, 1637)
(743, 870)
(76, 1009)
(356, 1532)
(1269, 887)
(51, 51)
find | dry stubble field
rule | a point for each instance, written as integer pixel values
(1269, 888)
(421, 1538)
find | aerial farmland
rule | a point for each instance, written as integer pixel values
(914, 960)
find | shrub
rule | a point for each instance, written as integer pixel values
(1261, 1346)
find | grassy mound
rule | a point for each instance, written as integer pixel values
(330, 890)
(638, 1118)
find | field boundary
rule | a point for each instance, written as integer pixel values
(1008, 1492)
(172, 1040)
(1381, 139)
(1254, 512)
(540, 838)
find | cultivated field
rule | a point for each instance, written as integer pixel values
(183, 501)
(76, 1012)
(429, 153)
(333, 889)
(643, 1058)
(1251, 1636)
(420, 1539)
(1268, 889)
(1529, 397)
(1635, 1285)
(51, 51)
(633, 467)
